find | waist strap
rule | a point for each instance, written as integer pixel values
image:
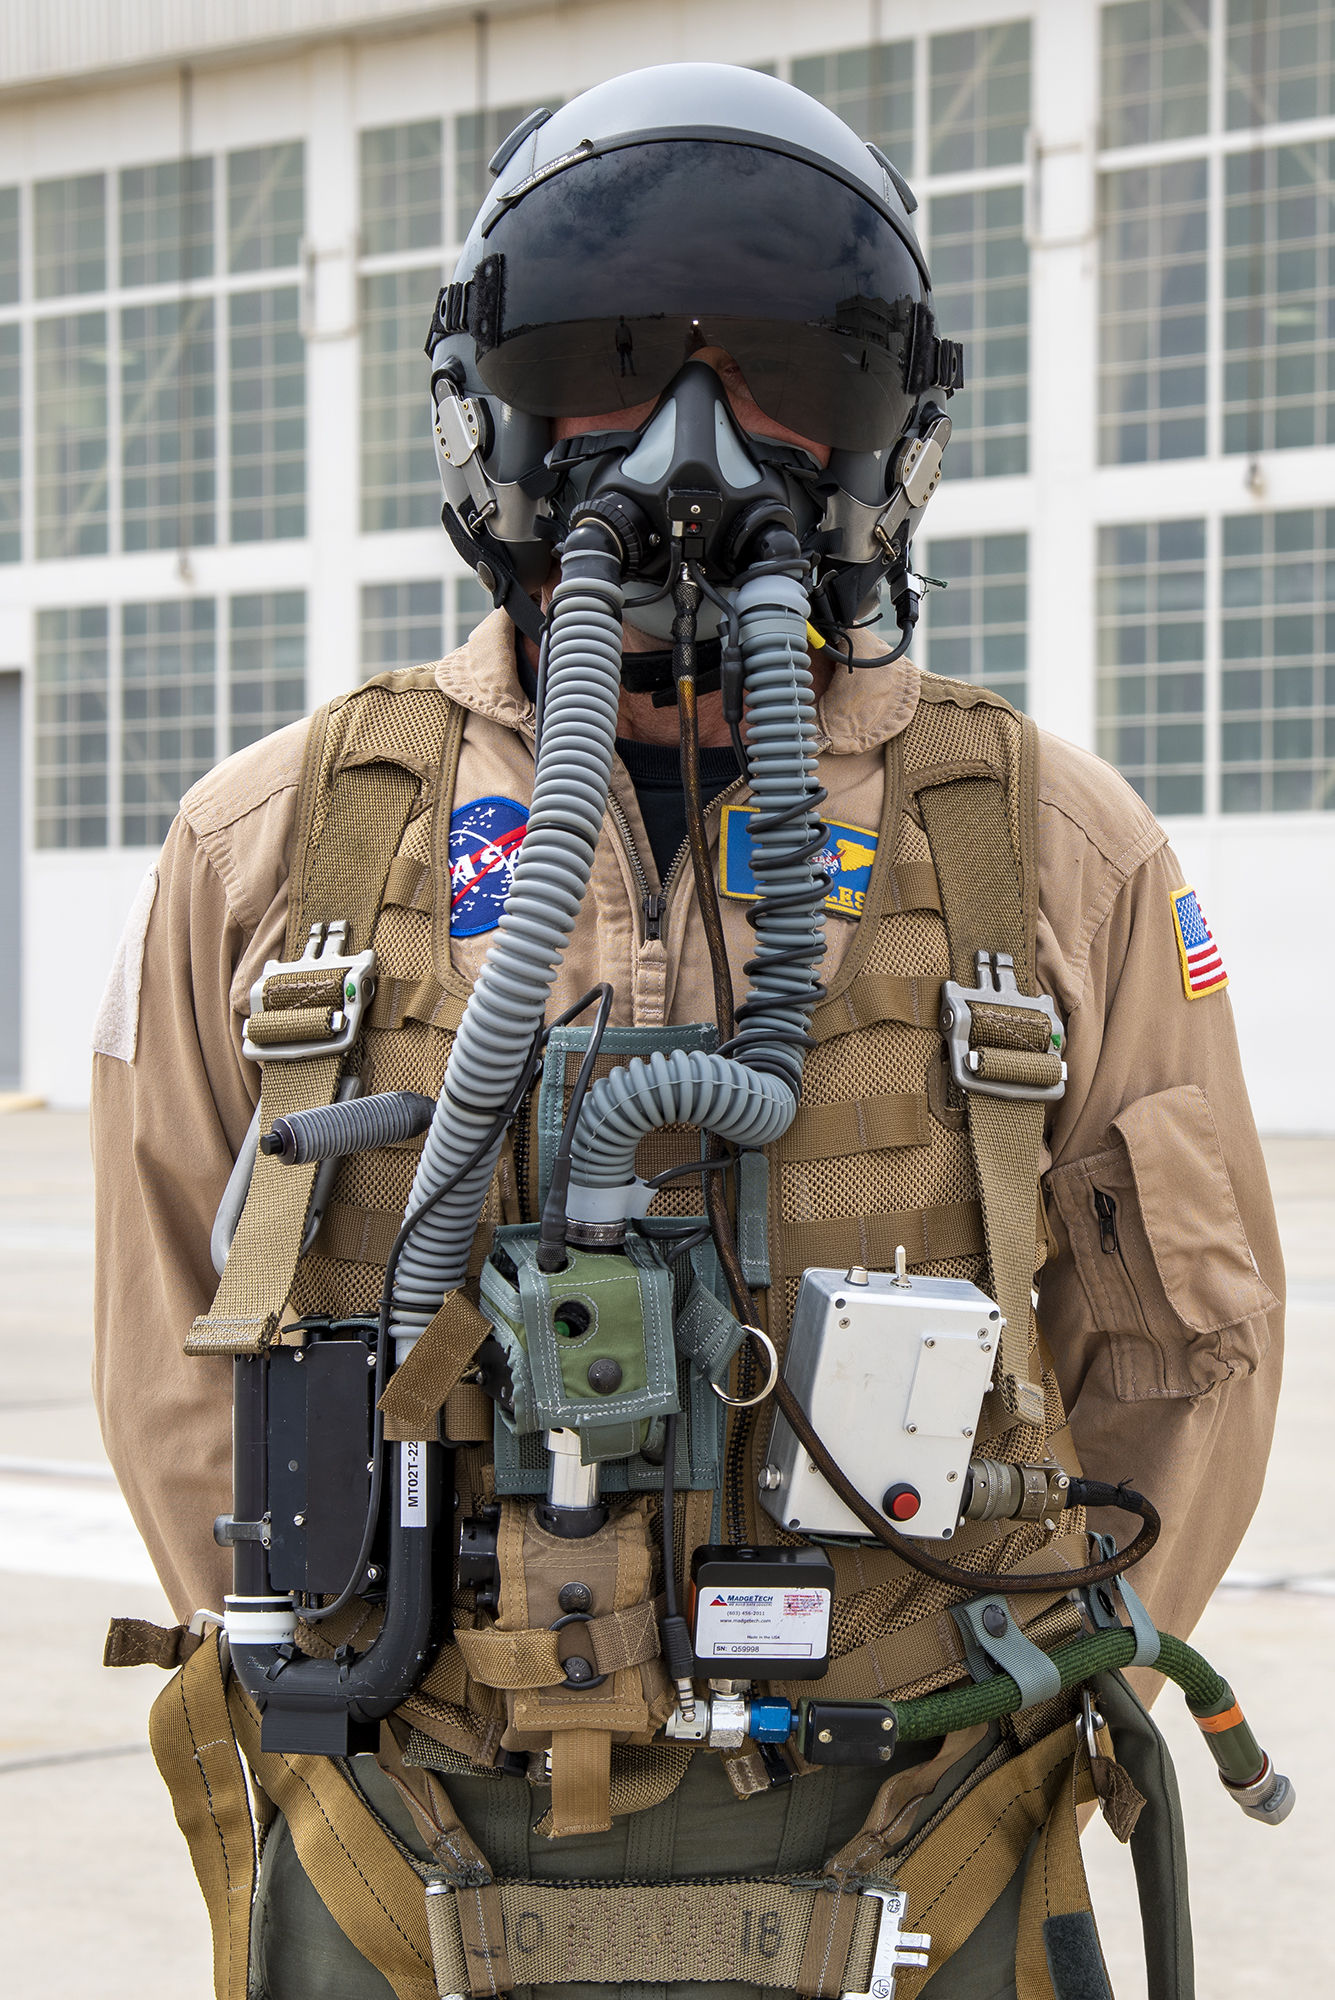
(812, 1941)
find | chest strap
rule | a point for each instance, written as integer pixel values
(342, 883)
(983, 904)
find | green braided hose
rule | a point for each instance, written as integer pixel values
(1093, 1653)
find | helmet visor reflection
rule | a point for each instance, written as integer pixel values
(603, 280)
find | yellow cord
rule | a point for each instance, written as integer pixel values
(813, 635)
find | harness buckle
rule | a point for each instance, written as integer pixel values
(896, 1949)
(1037, 1076)
(325, 978)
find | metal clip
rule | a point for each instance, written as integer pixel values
(323, 954)
(459, 436)
(1102, 1611)
(896, 1949)
(996, 988)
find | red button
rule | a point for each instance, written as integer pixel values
(901, 1502)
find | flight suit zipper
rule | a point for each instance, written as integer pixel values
(653, 908)
(1110, 1243)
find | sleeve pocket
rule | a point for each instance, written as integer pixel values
(1161, 1252)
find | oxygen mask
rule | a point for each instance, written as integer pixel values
(690, 486)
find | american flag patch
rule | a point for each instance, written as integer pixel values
(1202, 967)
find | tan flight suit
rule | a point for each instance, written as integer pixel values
(1165, 1387)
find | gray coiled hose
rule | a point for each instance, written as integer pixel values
(748, 1096)
(509, 999)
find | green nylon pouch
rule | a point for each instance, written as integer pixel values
(601, 1308)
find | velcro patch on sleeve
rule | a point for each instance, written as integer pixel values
(116, 1029)
(1202, 967)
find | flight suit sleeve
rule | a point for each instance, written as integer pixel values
(1163, 1307)
(166, 1127)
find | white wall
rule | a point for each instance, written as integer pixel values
(1267, 886)
(74, 911)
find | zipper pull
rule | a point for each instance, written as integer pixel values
(653, 916)
(1106, 1210)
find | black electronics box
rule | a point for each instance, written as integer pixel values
(761, 1614)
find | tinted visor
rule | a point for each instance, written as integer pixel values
(596, 286)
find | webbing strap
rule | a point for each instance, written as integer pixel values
(982, 902)
(620, 1933)
(857, 1125)
(530, 1659)
(190, 1732)
(344, 879)
(421, 1387)
(425, 999)
(873, 997)
(951, 1229)
(891, 1815)
(1057, 1954)
(954, 1876)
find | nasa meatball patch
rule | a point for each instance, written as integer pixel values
(485, 837)
(847, 859)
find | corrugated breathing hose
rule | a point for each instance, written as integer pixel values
(746, 1094)
(551, 875)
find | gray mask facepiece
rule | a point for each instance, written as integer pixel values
(690, 480)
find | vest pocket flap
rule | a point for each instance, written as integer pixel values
(1191, 1219)
(1161, 1253)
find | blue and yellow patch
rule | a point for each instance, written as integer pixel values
(847, 859)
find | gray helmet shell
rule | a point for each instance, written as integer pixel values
(679, 100)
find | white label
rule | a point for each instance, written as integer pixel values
(737, 1624)
(412, 1485)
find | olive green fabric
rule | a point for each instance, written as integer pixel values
(695, 1832)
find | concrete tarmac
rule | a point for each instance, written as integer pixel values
(97, 1897)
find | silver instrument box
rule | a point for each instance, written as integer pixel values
(892, 1373)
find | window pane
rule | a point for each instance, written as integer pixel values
(1151, 637)
(477, 134)
(401, 189)
(1279, 218)
(981, 296)
(1152, 313)
(266, 207)
(979, 97)
(471, 605)
(267, 366)
(1279, 61)
(400, 484)
(9, 245)
(1276, 703)
(1156, 71)
(167, 709)
(70, 728)
(402, 625)
(167, 425)
(11, 444)
(871, 89)
(71, 414)
(166, 222)
(268, 663)
(976, 629)
(70, 235)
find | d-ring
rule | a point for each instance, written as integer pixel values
(749, 1402)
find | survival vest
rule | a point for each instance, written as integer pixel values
(884, 1151)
